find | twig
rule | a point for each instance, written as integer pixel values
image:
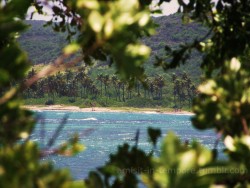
(57, 132)
(137, 135)
(244, 124)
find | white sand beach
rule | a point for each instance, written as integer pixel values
(103, 109)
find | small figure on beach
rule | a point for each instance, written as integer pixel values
(92, 105)
(175, 108)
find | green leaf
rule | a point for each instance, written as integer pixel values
(71, 48)
(154, 134)
(96, 21)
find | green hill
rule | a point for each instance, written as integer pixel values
(43, 45)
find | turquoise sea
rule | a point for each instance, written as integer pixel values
(101, 133)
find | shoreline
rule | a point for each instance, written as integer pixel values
(104, 109)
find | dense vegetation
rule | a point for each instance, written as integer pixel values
(78, 88)
(111, 29)
(42, 43)
(44, 46)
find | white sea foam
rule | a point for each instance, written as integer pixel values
(60, 113)
(127, 138)
(85, 119)
(124, 134)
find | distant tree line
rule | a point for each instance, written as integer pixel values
(79, 84)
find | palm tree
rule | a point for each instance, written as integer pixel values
(146, 87)
(59, 84)
(80, 79)
(40, 88)
(138, 88)
(156, 88)
(159, 84)
(33, 88)
(85, 83)
(189, 91)
(151, 88)
(189, 87)
(106, 82)
(72, 92)
(129, 90)
(69, 75)
(192, 92)
(115, 81)
(123, 90)
(182, 91)
(174, 77)
(50, 83)
(100, 78)
(119, 86)
(178, 92)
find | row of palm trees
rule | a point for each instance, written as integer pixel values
(73, 84)
(183, 90)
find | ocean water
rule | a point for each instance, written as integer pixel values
(101, 133)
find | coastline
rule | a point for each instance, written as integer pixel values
(104, 109)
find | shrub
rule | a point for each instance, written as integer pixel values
(49, 102)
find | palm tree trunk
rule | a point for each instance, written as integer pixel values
(101, 88)
(123, 93)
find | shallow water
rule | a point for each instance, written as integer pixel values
(102, 132)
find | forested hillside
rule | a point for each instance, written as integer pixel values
(99, 83)
(42, 43)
